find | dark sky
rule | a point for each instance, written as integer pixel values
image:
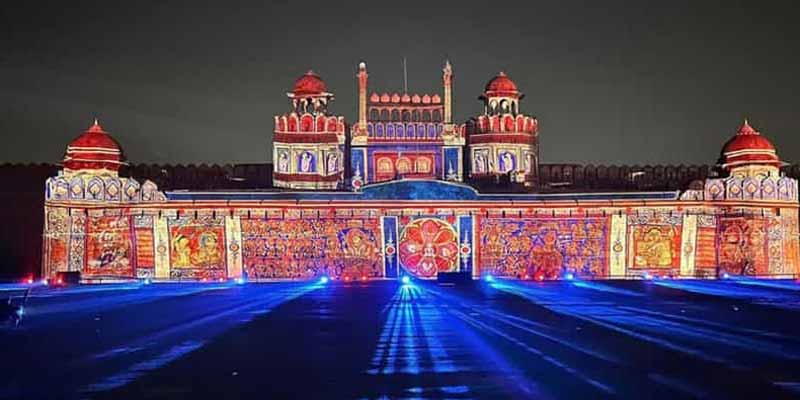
(611, 82)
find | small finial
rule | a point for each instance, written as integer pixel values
(96, 123)
(362, 65)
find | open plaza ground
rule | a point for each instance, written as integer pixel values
(383, 339)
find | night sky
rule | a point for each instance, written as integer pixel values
(611, 82)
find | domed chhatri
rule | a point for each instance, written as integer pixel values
(310, 84)
(93, 151)
(501, 86)
(308, 142)
(749, 153)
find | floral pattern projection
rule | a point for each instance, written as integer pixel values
(341, 248)
(108, 247)
(428, 246)
(655, 243)
(743, 246)
(705, 256)
(145, 250)
(544, 248)
(56, 241)
(197, 248)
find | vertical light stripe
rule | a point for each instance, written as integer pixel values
(688, 244)
(617, 246)
(161, 241)
(233, 245)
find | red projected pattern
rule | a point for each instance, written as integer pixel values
(108, 247)
(544, 248)
(428, 246)
(304, 248)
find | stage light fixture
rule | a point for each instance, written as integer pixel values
(147, 281)
(569, 276)
(725, 275)
(323, 280)
(240, 281)
(488, 278)
(647, 276)
(405, 279)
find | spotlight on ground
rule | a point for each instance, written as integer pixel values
(146, 281)
(569, 276)
(725, 275)
(405, 279)
(323, 280)
(240, 281)
(488, 278)
(647, 276)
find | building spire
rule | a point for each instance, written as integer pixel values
(405, 76)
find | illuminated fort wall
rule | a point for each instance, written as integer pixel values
(594, 239)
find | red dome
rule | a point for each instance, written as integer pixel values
(309, 84)
(501, 85)
(94, 149)
(748, 147)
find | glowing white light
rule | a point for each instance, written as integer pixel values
(147, 281)
(569, 276)
(323, 280)
(405, 279)
(240, 281)
(725, 275)
(488, 278)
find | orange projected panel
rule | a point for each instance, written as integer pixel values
(108, 247)
(197, 248)
(706, 253)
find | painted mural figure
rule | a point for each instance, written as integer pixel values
(480, 162)
(306, 162)
(333, 163)
(112, 252)
(283, 162)
(208, 250)
(181, 252)
(655, 249)
(506, 162)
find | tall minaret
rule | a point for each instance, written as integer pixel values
(447, 78)
(360, 130)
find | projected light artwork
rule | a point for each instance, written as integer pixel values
(407, 192)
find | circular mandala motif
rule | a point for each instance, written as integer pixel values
(389, 250)
(617, 247)
(428, 246)
(234, 247)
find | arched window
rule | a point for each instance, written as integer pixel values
(384, 165)
(426, 116)
(422, 165)
(374, 114)
(437, 116)
(406, 116)
(395, 115)
(384, 115)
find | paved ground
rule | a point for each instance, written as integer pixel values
(626, 339)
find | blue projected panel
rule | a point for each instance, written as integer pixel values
(389, 225)
(358, 167)
(466, 243)
(452, 164)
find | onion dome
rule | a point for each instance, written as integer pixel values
(501, 86)
(310, 84)
(94, 149)
(748, 147)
